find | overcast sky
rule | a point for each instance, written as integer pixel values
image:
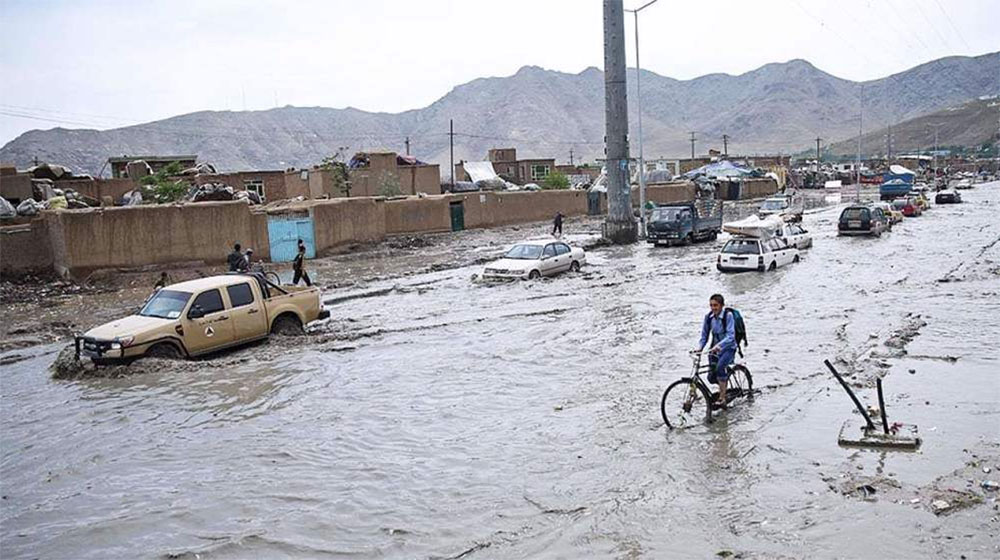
(104, 64)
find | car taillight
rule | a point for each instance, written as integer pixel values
(760, 261)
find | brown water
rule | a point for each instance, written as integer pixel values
(437, 417)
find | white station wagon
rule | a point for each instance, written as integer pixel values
(751, 253)
(533, 260)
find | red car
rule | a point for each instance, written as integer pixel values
(908, 207)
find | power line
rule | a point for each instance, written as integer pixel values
(952, 24)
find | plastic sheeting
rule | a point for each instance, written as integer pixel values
(900, 170)
(723, 168)
(480, 171)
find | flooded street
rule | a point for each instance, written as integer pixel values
(437, 417)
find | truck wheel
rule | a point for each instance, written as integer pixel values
(287, 325)
(774, 265)
(714, 235)
(688, 239)
(574, 267)
(796, 259)
(164, 350)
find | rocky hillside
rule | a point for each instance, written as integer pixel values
(778, 107)
(968, 124)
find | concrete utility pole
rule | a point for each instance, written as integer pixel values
(857, 172)
(407, 145)
(451, 144)
(888, 144)
(620, 225)
(818, 139)
(692, 144)
(571, 156)
(638, 107)
(725, 145)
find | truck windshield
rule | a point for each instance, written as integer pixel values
(165, 304)
(742, 247)
(524, 252)
(670, 214)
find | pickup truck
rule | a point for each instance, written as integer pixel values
(201, 316)
(684, 222)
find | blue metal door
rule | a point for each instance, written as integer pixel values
(283, 234)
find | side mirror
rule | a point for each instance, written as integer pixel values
(196, 312)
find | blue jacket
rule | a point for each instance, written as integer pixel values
(724, 337)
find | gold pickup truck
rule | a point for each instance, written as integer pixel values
(201, 316)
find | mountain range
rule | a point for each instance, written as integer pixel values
(779, 107)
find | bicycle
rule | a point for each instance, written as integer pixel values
(270, 275)
(684, 399)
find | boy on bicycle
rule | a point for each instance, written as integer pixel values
(723, 351)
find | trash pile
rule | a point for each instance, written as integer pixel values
(221, 191)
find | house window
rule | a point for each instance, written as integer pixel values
(539, 172)
(255, 185)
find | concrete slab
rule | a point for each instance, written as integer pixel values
(855, 434)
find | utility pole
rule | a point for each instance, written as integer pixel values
(818, 140)
(638, 107)
(857, 172)
(571, 156)
(692, 144)
(619, 227)
(725, 145)
(407, 145)
(888, 144)
(451, 149)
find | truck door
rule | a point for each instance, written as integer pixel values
(247, 312)
(207, 324)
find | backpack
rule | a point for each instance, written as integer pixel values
(739, 328)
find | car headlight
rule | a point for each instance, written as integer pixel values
(123, 342)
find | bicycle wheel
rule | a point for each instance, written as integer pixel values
(685, 403)
(273, 278)
(740, 383)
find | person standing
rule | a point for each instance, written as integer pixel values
(557, 224)
(235, 259)
(298, 265)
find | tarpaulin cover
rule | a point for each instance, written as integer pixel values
(480, 170)
(723, 168)
(900, 170)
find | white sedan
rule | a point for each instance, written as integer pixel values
(751, 253)
(795, 235)
(535, 259)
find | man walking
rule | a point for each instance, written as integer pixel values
(557, 224)
(235, 259)
(298, 266)
(722, 326)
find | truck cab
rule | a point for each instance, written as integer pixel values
(201, 316)
(684, 222)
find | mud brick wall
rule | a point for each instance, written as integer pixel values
(97, 188)
(144, 235)
(413, 215)
(342, 221)
(665, 194)
(758, 188)
(25, 248)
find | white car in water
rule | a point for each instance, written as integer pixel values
(534, 259)
(752, 253)
(795, 235)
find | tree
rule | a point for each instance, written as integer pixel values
(162, 187)
(388, 185)
(555, 181)
(338, 172)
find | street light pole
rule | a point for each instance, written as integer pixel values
(638, 102)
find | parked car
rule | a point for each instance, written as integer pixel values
(920, 200)
(201, 316)
(795, 235)
(963, 184)
(894, 216)
(533, 260)
(948, 197)
(860, 219)
(908, 206)
(752, 253)
(789, 207)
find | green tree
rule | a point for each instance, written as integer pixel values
(338, 172)
(555, 181)
(388, 185)
(162, 186)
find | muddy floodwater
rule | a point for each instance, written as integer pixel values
(436, 417)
